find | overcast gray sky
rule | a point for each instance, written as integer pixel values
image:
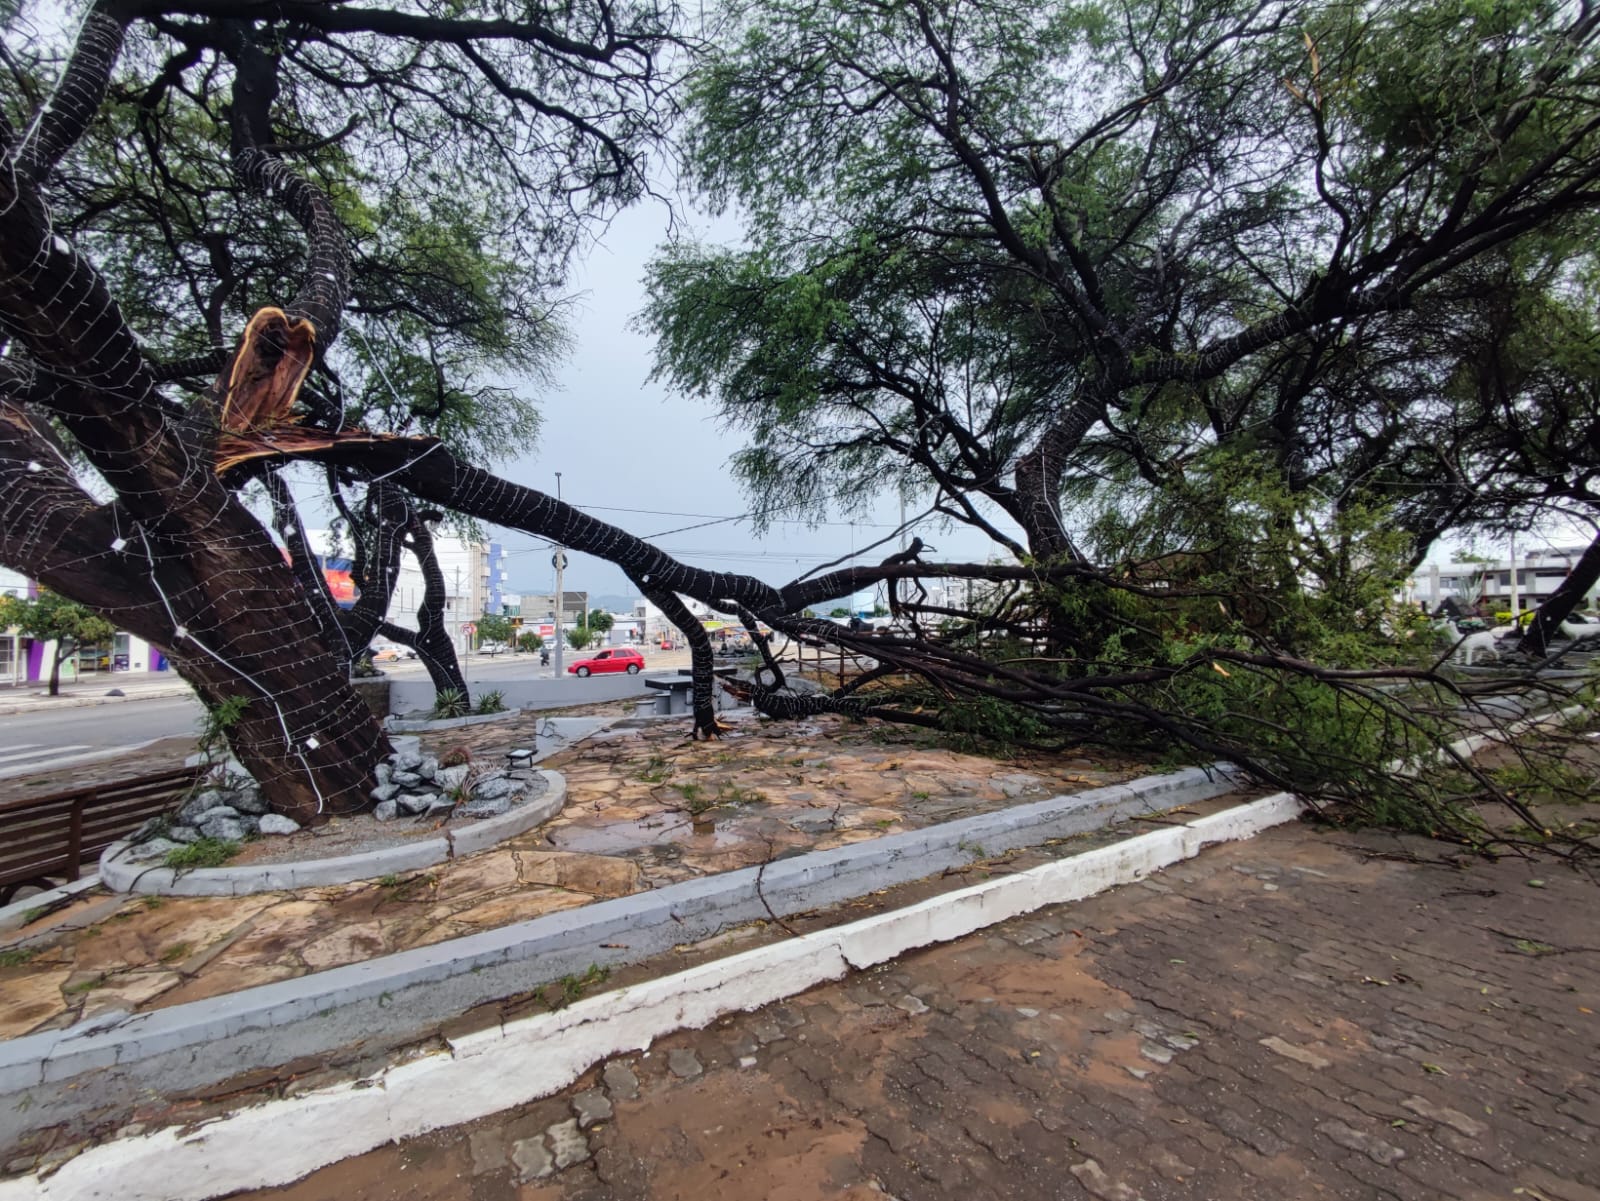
(634, 454)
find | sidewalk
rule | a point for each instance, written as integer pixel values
(92, 690)
(1296, 1016)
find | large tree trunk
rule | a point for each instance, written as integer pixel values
(228, 610)
(1038, 483)
(1560, 603)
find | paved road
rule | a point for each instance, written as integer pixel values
(61, 736)
(32, 741)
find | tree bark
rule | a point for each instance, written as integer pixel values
(55, 667)
(1561, 603)
(432, 640)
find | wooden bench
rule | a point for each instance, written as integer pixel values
(44, 840)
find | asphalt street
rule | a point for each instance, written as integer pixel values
(57, 737)
(31, 741)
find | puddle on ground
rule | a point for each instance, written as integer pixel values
(619, 838)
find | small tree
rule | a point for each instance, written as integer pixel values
(529, 641)
(52, 617)
(600, 622)
(579, 637)
(494, 628)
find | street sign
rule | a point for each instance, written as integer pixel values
(559, 561)
(468, 628)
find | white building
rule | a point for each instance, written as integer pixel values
(474, 578)
(25, 660)
(1538, 573)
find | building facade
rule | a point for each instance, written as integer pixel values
(474, 575)
(541, 606)
(1488, 585)
(25, 660)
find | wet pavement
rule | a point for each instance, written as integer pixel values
(646, 807)
(1310, 1014)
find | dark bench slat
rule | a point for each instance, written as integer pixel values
(175, 779)
(52, 836)
(117, 813)
(43, 864)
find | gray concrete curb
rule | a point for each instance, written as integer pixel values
(8, 705)
(118, 1059)
(121, 876)
(394, 724)
(488, 1070)
(15, 914)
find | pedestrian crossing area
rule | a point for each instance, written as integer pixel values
(19, 758)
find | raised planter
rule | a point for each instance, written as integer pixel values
(121, 876)
(397, 725)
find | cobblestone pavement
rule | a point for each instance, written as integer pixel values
(1297, 1016)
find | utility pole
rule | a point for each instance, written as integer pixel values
(1515, 608)
(559, 561)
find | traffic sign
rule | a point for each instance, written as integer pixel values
(468, 628)
(558, 561)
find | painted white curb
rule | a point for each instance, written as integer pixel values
(121, 876)
(504, 1066)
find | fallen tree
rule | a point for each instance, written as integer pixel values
(1257, 627)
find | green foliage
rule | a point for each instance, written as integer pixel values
(17, 957)
(456, 253)
(217, 722)
(983, 720)
(204, 852)
(599, 621)
(494, 628)
(657, 768)
(491, 701)
(52, 617)
(573, 987)
(529, 641)
(579, 637)
(694, 798)
(450, 702)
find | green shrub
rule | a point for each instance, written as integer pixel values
(450, 702)
(493, 701)
(206, 852)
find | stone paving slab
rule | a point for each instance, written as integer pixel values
(1297, 1016)
(646, 808)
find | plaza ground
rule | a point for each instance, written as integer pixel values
(1311, 1014)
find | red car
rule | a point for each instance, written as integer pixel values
(618, 658)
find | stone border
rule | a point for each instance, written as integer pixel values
(395, 724)
(494, 1069)
(118, 1060)
(121, 876)
(15, 915)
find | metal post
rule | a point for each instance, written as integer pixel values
(1515, 607)
(560, 561)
